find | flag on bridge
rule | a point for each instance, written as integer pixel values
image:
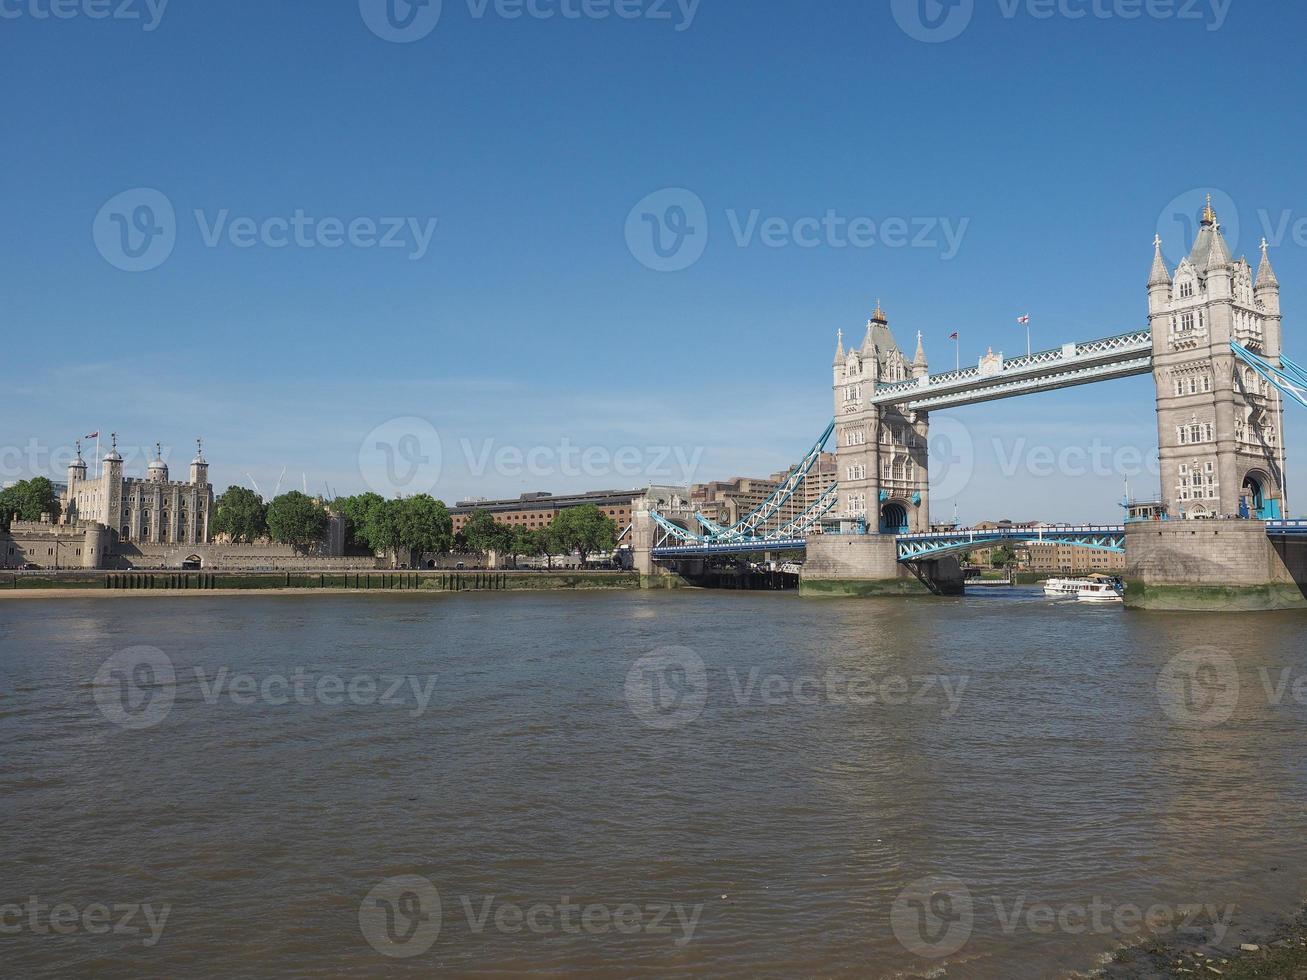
(1024, 320)
(953, 335)
(91, 435)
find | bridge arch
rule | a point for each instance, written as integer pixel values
(894, 517)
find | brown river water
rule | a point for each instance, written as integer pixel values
(639, 784)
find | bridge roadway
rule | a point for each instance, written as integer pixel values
(996, 377)
(918, 547)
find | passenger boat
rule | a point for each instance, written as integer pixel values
(1105, 590)
(1076, 587)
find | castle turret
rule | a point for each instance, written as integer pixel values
(1159, 280)
(1267, 294)
(199, 467)
(919, 367)
(158, 469)
(76, 470)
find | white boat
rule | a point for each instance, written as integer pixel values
(1095, 585)
(1103, 591)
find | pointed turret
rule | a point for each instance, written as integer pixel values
(1160, 275)
(919, 367)
(1265, 274)
(1211, 253)
(839, 348)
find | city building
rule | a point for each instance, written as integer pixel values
(728, 501)
(536, 510)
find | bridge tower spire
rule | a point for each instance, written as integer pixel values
(1219, 429)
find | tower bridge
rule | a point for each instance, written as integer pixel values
(1213, 346)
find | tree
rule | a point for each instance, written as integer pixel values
(296, 519)
(241, 515)
(29, 499)
(1003, 555)
(584, 529)
(485, 534)
(359, 511)
(524, 542)
(425, 524)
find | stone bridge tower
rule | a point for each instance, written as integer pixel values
(1220, 426)
(881, 451)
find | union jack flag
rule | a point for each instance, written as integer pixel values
(953, 335)
(91, 435)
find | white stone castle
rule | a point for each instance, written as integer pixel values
(153, 510)
(1219, 425)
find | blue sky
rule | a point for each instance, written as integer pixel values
(1031, 158)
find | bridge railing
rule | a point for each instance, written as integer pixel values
(1072, 353)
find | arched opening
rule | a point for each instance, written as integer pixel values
(893, 519)
(193, 564)
(1254, 501)
(431, 563)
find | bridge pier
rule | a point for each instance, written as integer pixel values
(1220, 565)
(868, 565)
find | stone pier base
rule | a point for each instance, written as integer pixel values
(867, 565)
(1216, 565)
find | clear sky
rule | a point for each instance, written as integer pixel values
(1029, 150)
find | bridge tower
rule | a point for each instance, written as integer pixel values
(881, 450)
(1220, 425)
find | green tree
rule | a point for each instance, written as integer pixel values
(241, 515)
(524, 542)
(1002, 556)
(425, 524)
(29, 499)
(484, 533)
(359, 512)
(296, 519)
(584, 529)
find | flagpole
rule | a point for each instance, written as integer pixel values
(97, 454)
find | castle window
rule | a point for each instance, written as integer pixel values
(1186, 322)
(1179, 387)
(1193, 386)
(1207, 383)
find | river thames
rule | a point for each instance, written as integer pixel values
(639, 784)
